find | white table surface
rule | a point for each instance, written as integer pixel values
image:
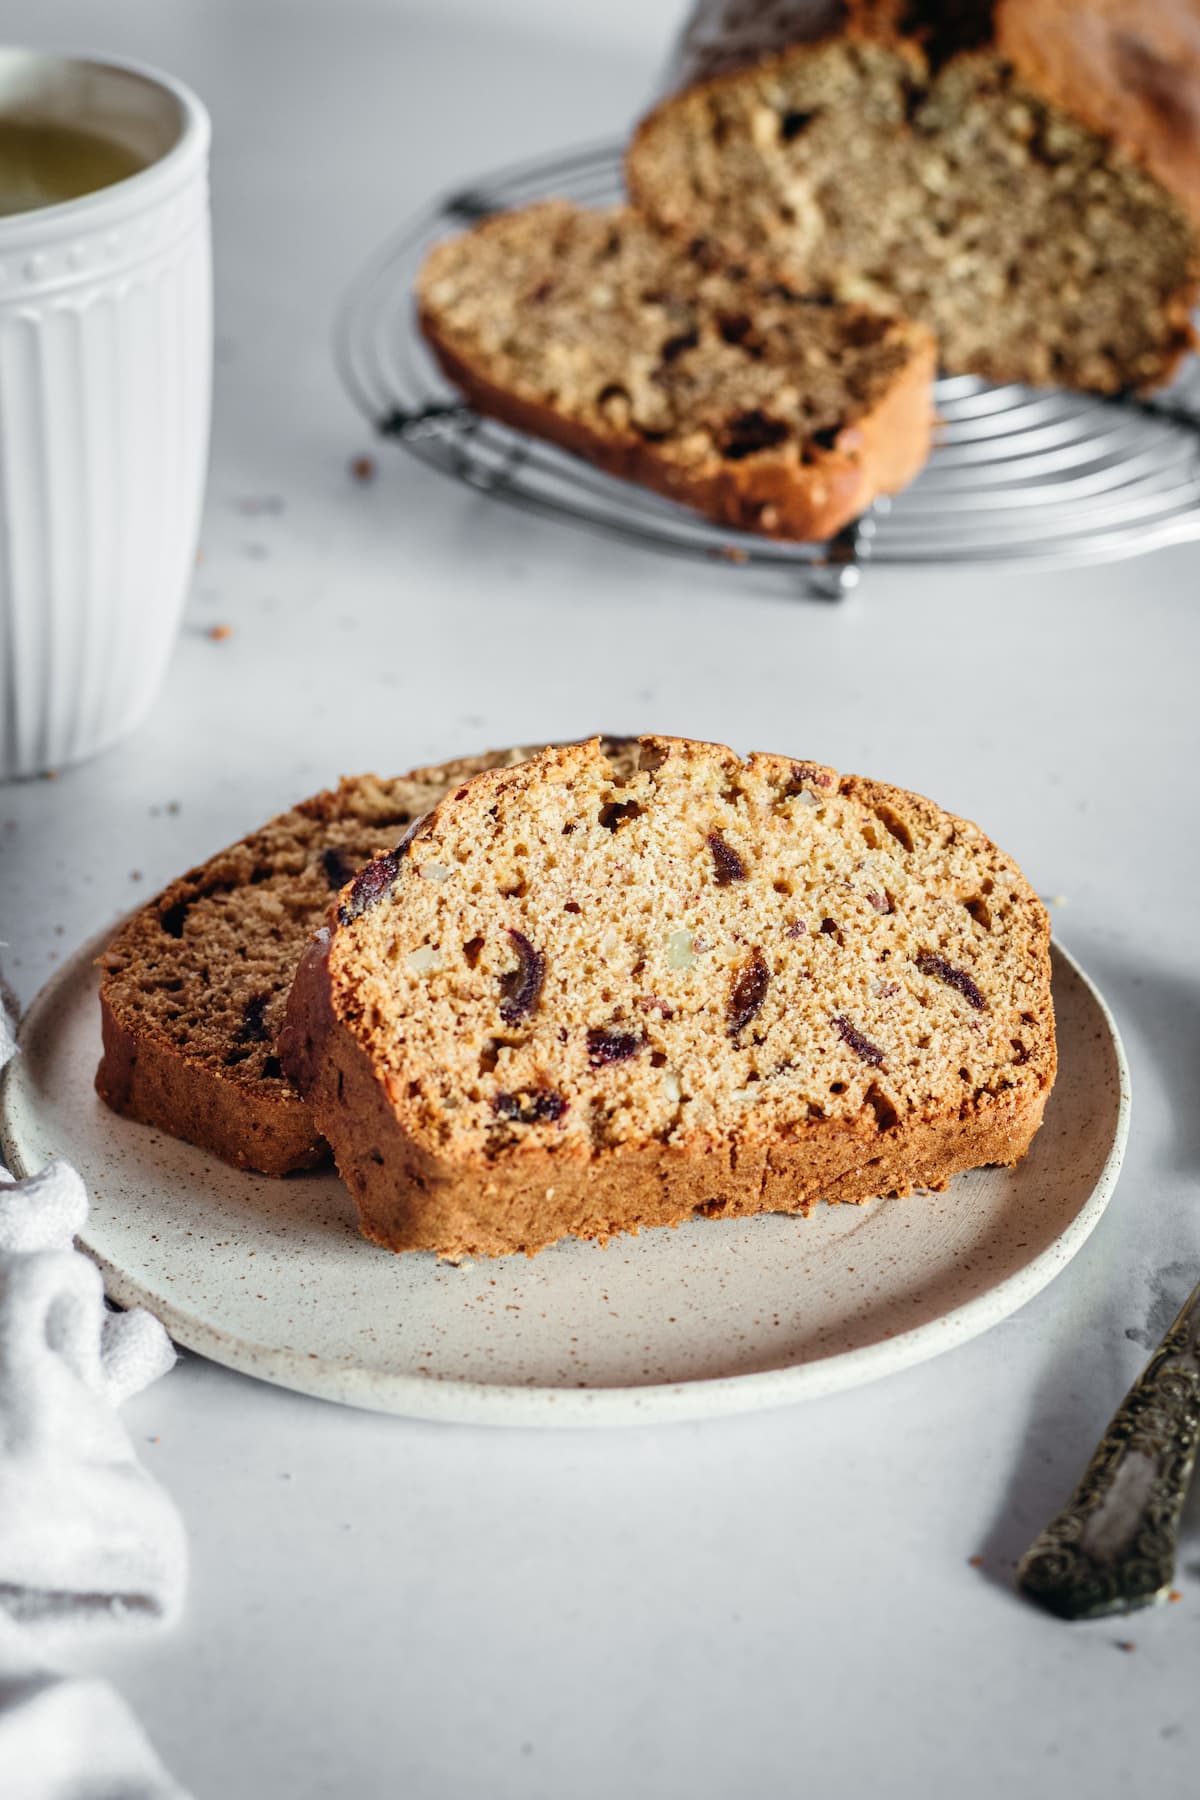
(772, 1604)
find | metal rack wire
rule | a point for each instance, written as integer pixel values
(1036, 477)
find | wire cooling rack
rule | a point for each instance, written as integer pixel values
(1028, 476)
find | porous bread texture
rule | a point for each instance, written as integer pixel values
(899, 156)
(194, 985)
(762, 411)
(582, 1000)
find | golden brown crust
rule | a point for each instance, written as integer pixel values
(1128, 69)
(879, 454)
(469, 1200)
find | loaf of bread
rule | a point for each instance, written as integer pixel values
(1022, 176)
(762, 411)
(195, 983)
(581, 998)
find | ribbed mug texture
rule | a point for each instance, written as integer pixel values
(105, 382)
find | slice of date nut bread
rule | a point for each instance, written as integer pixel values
(579, 999)
(764, 411)
(195, 983)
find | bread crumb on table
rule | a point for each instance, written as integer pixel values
(252, 505)
(218, 633)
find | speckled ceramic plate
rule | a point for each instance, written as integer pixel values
(271, 1277)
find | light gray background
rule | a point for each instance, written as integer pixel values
(774, 1604)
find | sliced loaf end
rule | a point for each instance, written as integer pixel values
(881, 161)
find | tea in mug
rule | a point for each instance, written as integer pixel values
(43, 164)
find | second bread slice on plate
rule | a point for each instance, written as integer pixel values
(194, 984)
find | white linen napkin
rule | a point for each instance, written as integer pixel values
(69, 1737)
(87, 1539)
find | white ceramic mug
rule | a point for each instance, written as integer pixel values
(105, 386)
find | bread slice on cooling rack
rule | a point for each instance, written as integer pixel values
(194, 985)
(665, 366)
(1025, 178)
(583, 997)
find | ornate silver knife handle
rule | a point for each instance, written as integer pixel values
(1112, 1548)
